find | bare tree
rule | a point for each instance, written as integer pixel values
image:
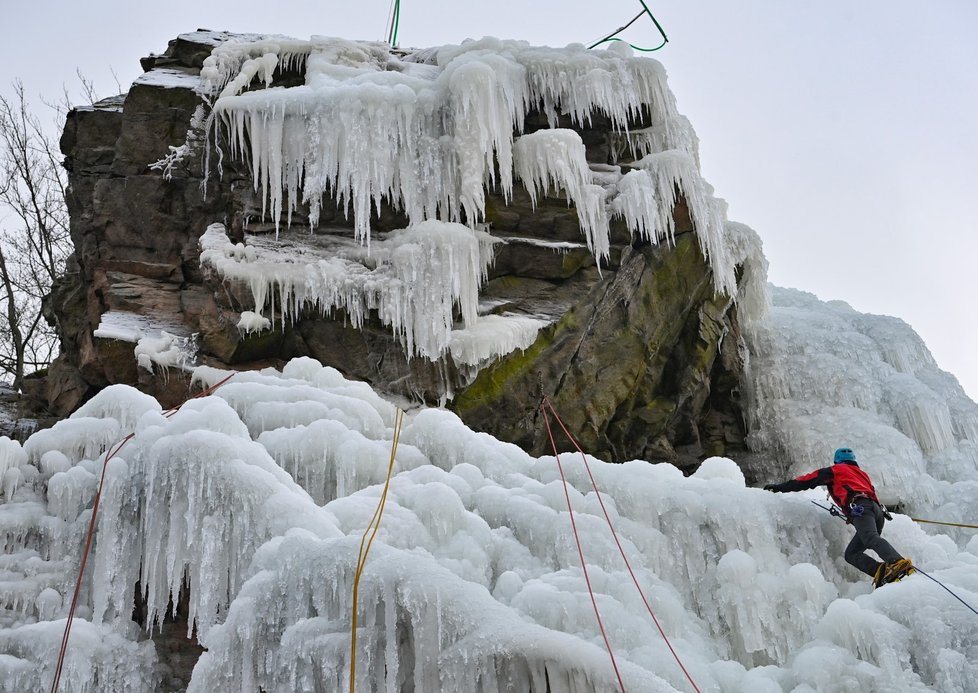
(34, 240)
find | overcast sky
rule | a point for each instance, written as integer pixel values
(843, 132)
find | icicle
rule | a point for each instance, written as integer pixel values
(419, 276)
(555, 159)
(370, 129)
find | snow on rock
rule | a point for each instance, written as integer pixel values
(258, 496)
(160, 343)
(167, 78)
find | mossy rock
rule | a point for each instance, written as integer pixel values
(629, 368)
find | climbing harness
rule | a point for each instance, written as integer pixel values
(365, 544)
(109, 454)
(835, 510)
(613, 36)
(544, 406)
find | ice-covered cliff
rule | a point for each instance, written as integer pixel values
(462, 224)
(228, 530)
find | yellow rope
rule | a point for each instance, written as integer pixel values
(365, 543)
(949, 524)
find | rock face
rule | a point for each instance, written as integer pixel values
(646, 367)
(641, 357)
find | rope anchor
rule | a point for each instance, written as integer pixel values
(613, 36)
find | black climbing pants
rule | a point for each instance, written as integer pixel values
(868, 527)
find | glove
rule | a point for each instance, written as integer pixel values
(774, 488)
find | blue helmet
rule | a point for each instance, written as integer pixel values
(844, 455)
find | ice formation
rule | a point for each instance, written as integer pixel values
(258, 494)
(414, 280)
(555, 160)
(826, 375)
(428, 132)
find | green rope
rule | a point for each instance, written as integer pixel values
(645, 11)
(395, 22)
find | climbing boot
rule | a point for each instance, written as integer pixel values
(895, 571)
(878, 577)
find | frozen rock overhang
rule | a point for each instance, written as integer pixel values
(415, 280)
(429, 131)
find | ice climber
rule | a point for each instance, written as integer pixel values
(852, 490)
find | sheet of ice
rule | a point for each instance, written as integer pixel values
(825, 375)
(556, 246)
(259, 494)
(131, 327)
(492, 336)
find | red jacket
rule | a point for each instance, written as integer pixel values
(845, 481)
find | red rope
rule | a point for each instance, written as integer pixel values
(580, 551)
(614, 533)
(91, 533)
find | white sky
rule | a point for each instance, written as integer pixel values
(843, 132)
